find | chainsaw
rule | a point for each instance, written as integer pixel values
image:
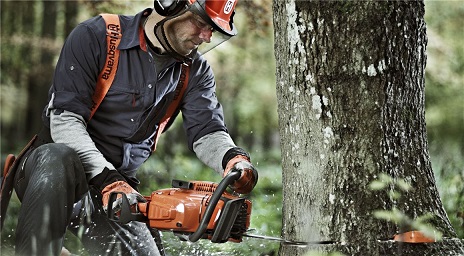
(200, 209)
(192, 210)
(195, 210)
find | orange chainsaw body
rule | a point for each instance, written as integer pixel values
(180, 209)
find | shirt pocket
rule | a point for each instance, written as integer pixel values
(122, 97)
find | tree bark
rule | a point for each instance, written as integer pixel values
(350, 89)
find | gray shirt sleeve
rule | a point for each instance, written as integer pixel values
(212, 147)
(70, 129)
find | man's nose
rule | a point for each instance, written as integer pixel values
(205, 35)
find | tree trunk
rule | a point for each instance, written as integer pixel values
(350, 89)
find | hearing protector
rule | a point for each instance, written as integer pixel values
(168, 8)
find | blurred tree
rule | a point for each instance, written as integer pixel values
(17, 36)
(242, 69)
(445, 73)
(71, 10)
(350, 88)
(38, 80)
(31, 40)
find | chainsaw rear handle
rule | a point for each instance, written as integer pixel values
(126, 215)
(229, 179)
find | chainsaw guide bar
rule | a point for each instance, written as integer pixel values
(288, 242)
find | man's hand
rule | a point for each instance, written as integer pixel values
(121, 186)
(248, 177)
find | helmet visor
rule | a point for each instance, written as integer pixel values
(216, 39)
(205, 24)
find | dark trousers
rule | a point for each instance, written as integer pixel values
(51, 183)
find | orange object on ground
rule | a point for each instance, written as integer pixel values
(413, 237)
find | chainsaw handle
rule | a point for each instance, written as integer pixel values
(229, 179)
(126, 215)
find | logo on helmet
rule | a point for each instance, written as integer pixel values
(229, 6)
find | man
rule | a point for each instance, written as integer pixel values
(79, 151)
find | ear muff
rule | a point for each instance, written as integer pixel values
(168, 8)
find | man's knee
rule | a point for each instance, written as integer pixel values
(58, 162)
(54, 166)
(56, 153)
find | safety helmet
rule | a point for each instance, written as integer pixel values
(218, 14)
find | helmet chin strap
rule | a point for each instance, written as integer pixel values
(160, 34)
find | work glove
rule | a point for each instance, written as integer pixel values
(121, 186)
(238, 159)
(111, 181)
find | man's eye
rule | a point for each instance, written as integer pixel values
(201, 24)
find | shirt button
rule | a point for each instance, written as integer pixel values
(132, 119)
(150, 86)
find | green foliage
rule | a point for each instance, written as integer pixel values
(385, 180)
(399, 186)
(448, 164)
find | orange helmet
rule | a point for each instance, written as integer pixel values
(218, 13)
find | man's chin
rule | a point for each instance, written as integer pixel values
(188, 52)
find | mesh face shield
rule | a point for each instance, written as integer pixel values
(216, 39)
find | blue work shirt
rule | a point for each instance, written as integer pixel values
(138, 89)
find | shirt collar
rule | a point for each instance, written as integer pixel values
(132, 35)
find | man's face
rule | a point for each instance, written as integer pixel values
(186, 32)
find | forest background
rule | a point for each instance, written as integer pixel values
(31, 39)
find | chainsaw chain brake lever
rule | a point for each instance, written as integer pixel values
(125, 215)
(229, 179)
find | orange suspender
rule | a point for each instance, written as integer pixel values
(106, 76)
(180, 89)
